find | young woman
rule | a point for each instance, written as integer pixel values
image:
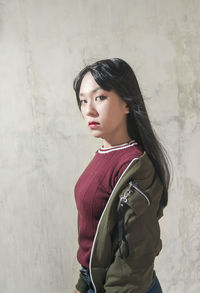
(121, 194)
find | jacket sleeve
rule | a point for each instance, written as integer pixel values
(134, 273)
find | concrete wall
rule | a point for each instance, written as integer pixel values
(44, 144)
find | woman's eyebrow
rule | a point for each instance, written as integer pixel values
(93, 91)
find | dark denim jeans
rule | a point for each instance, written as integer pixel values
(86, 276)
(154, 287)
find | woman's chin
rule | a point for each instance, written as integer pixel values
(96, 134)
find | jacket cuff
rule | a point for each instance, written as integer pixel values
(82, 285)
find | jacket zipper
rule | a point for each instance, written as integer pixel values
(90, 271)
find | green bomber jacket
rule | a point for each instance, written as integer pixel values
(139, 191)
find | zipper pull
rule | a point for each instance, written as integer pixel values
(127, 193)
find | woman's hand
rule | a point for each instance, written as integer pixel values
(76, 291)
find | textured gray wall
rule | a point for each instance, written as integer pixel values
(45, 144)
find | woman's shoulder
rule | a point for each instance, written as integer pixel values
(129, 154)
(124, 159)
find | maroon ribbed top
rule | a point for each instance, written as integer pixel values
(94, 187)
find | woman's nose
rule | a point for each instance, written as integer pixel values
(90, 109)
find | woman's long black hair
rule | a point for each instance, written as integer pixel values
(115, 74)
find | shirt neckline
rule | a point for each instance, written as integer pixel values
(104, 150)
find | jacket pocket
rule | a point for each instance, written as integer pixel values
(136, 198)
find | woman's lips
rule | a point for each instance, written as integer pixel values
(93, 124)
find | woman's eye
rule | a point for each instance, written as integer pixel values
(82, 102)
(100, 98)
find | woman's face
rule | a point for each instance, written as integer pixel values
(104, 112)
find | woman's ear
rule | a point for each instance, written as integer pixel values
(127, 109)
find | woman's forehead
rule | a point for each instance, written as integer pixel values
(88, 85)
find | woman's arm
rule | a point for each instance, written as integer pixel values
(134, 273)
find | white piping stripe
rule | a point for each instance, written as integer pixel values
(119, 145)
(101, 151)
(135, 159)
